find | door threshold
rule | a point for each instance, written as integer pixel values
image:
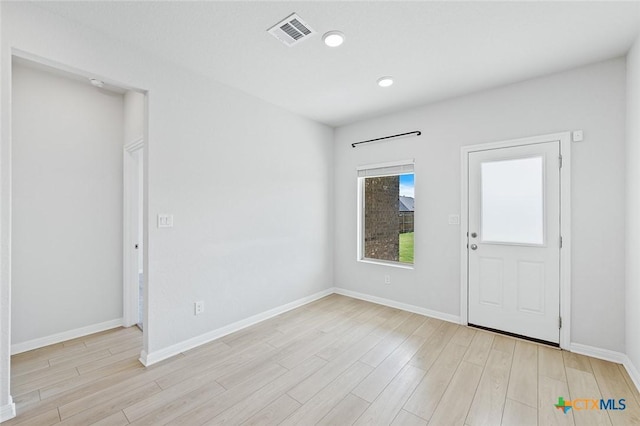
(517, 336)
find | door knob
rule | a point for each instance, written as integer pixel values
(474, 247)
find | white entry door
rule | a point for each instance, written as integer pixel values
(514, 240)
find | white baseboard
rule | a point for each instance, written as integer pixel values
(7, 411)
(592, 351)
(399, 305)
(608, 355)
(148, 359)
(65, 335)
(633, 371)
(144, 358)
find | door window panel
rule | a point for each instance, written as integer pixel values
(512, 201)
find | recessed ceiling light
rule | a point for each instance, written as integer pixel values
(333, 38)
(96, 82)
(385, 81)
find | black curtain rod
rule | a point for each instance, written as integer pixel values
(416, 132)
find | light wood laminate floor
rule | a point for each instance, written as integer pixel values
(336, 361)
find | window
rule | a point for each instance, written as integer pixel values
(386, 218)
(512, 199)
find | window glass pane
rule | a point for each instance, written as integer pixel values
(388, 218)
(512, 201)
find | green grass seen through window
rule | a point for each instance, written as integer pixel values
(406, 247)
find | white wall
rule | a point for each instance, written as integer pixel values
(633, 209)
(249, 184)
(249, 187)
(590, 98)
(67, 204)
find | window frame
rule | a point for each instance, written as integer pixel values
(394, 168)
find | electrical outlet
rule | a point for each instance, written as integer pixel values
(387, 279)
(198, 307)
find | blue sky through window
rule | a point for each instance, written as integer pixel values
(407, 185)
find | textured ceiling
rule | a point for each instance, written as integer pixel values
(435, 50)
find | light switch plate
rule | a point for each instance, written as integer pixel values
(165, 220)
(454, 219)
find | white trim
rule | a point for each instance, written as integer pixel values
(135, 145)
(387, 263)
(633, 372)
(359, 220)
(148, 359)
(604, 354)
(565, 220)
(130, 271)
(565, 232)
(611, 356)
(399, 305)
(8, 411)
(386, 164)
(144, 358)
(464, 239)
(64, 336)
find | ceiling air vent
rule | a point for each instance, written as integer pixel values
(291, 30)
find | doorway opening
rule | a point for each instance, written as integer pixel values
(515, 238)
(68, 134)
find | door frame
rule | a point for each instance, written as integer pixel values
(131, 213)
(564, 139)
(7, 410)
